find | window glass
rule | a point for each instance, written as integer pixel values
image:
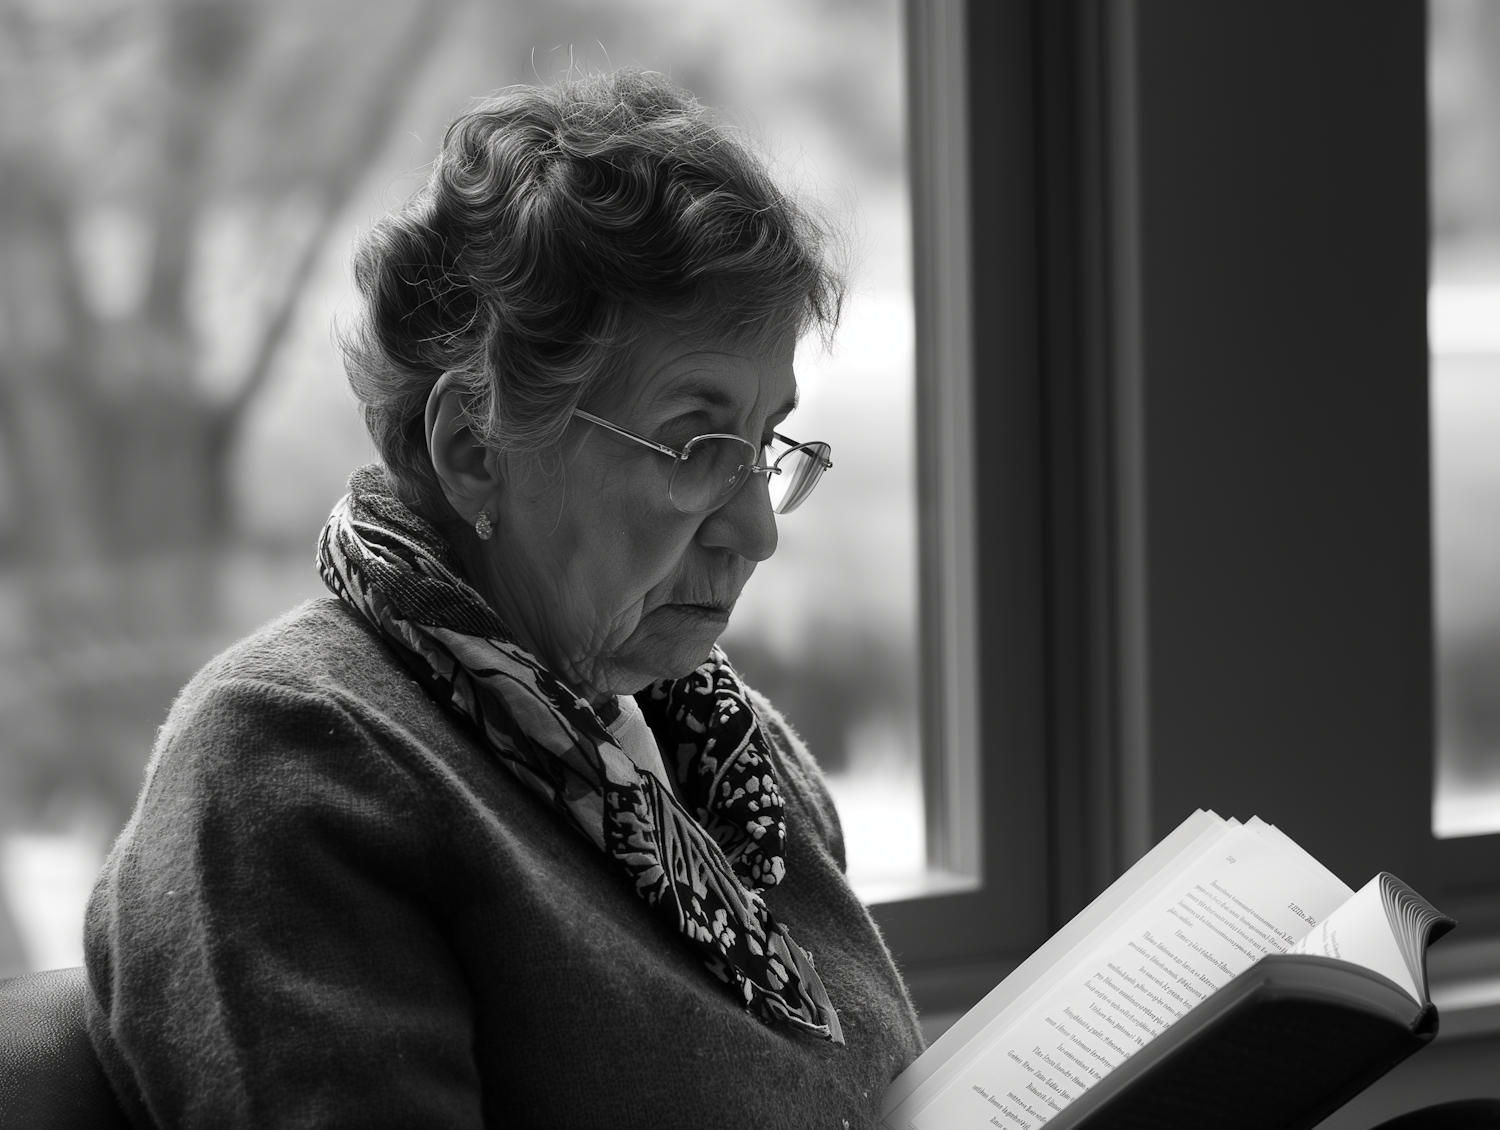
(182, 181)
(1464, 332)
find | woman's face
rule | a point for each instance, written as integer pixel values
(600, 575)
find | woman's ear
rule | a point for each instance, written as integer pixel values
(469, 471)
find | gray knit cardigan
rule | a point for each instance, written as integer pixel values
(332, 907)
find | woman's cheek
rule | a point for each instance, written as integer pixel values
(656, 550)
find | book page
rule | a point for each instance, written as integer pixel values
(1308, 861)
(1160, 870)
(1360, 932)
(1123, 897)
(1246, 897)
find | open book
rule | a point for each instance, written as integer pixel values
(1227, 979)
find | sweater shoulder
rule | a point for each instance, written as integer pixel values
(320, 645)
(321, 657)
(313, 693)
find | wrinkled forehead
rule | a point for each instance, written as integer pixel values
(670, 376)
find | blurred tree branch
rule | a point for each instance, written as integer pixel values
(342, 180)
(167, 113)
(129, 131)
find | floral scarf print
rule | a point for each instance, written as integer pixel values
(702, 870)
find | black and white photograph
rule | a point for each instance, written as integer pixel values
(849, 564)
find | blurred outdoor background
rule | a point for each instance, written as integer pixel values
(180, 181)
(1464, 330)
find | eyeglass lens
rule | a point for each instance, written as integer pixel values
(801, 468)
(716, 466)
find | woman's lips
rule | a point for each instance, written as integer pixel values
(702, 613)
(712, 611)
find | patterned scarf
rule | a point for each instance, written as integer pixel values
(703, 870)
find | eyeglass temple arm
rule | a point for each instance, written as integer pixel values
(665, 450)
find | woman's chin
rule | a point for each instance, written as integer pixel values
(671, 642)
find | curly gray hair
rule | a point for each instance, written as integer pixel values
(560, 223)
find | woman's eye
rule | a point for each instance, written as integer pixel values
(675, 433)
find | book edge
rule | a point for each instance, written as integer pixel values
(1274, 977)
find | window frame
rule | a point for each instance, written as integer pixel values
(1466, 868)
(1166, 533)
(1021, 125)
(981, 568)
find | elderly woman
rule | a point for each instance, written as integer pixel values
(495, 835)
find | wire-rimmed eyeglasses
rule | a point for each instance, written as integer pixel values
(708, 469)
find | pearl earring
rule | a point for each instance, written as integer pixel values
(482, 526)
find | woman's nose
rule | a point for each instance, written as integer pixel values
(745, 524)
